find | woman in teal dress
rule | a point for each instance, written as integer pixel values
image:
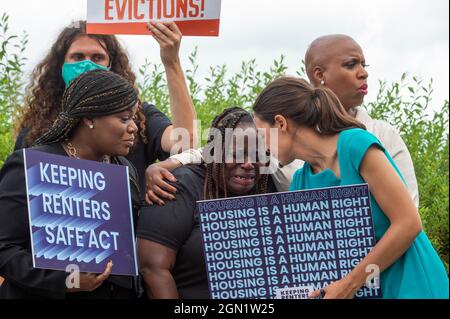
(313, 126)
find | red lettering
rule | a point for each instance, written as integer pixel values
(130, 9)
(182, 8)
(136, 9)
(159, 9)
(121, 9)
(108, 8)
(203, 8)
(167, 13)
(195, 10)
(150, 9)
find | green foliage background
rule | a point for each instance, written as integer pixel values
(424, 131)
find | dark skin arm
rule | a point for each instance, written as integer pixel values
(156, 263)
(158, 189)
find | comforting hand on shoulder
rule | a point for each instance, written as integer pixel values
(157, 186)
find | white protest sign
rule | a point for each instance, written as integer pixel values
(193, 17)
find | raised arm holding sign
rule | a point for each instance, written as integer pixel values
(75, 52)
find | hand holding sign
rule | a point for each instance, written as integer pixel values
(80, 214)
(341, 289)
(169, 37)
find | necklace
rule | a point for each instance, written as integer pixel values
(72, 151)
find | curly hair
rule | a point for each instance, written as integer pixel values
(45, 92)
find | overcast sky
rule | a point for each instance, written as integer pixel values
(396, 35)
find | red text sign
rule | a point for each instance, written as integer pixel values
(193, 17)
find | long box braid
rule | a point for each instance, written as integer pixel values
(93, 94)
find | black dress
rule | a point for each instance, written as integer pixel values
(16, 265)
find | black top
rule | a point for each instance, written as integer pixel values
(142, 155)
(16, 264)
(176, 226)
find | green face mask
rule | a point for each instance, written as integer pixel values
(70, 71)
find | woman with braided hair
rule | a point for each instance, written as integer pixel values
(75, 52)
(333, 61)
(96, 123)
(169, 243)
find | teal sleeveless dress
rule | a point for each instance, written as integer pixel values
(419, 273)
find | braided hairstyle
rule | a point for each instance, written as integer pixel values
(215, 184)
(93, 94)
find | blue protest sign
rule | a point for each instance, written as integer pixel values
(80, 214)
(286, 245)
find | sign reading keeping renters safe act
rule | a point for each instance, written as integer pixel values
(80, 214)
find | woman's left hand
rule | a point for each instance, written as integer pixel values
(169, 37)
(341, 289)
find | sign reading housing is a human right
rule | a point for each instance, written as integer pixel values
(286, 245)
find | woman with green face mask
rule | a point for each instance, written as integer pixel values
(71, 71)
(76, 52)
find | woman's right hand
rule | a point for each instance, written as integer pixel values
(169, 36)
(157, 188)
(90, 282)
